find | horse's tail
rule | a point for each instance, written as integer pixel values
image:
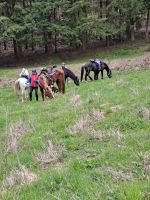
(109, 73)
(82, 72)
(16, 87)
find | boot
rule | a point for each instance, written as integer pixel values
(30, 95)
(37, 98)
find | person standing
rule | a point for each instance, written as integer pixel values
(33, 84)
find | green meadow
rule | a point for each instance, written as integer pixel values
(92, 143)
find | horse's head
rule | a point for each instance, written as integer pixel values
(76, 81)
(109, 74)
(43, 83)
(49, 92)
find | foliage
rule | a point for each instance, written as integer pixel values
(48, 23)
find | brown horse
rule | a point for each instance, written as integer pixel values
(44, 84)
(56, 76)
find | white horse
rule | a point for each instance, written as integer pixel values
(22, 85)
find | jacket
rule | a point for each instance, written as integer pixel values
(34, 80)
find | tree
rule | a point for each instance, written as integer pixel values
(126, 13)
(147, 9)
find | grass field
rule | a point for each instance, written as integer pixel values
(92, 143)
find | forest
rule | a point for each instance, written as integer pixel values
(48, 24)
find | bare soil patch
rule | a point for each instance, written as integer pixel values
(131, 63)
(138, 62)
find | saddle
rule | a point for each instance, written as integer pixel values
(98, 65)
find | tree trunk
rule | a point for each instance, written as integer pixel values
(50, 42)
(15, 48)
(26, 45)
(147, 24)
(55, 43)
(132, 33)
(19, 50)
(46, 48)
(24, 5)
(107, 41)
(45, 43)
(32, 45)
(101, 9)
(5, 46)
(55, 36)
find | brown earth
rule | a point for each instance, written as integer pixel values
(138, 62)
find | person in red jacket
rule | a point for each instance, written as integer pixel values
(33, 84)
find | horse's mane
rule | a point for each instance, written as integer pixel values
(69, 73)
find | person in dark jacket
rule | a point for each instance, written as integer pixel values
(33, 84)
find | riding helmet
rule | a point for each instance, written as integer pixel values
(33, 70)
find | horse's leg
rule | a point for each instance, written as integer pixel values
(30, 94)
(101, 74)
(63, 86)
(59, 86)
(90, 77)
(16, 88)
(86, 76)
(42, 92)
(95, 76)
(66, 80)
(23, 94)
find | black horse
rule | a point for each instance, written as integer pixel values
(69, 74)
(91, 66)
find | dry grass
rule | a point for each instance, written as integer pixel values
(121, 83)
(86, 121)
(96, 115)
(50, 155)
(116, 108)
(14, 133)
(118, 137)
(4, 83)
(144, 113)
(135, 92)
(19, 177)
(146, 162)
(119, 174)
(132, 63)
(76, 100)
(98, 134)
(81, 125)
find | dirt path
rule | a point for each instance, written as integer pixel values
(123, 63)
(131, 63)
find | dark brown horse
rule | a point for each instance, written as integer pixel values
(88, 67)
(45, 86)
(57, 76)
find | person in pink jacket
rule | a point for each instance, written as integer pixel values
(33, 84)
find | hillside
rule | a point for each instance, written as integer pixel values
(91, 143)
